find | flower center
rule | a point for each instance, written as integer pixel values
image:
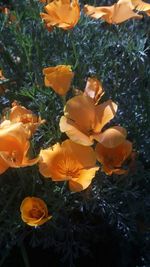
(70, 174)
(36, 213)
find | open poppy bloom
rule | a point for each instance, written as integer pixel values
(69, 162)
(14, 146)
(83, 122)
(34, 211)
(59, 78)
(112, 159)
(61, 13)
(141, 6)
(19, 113)
(115, 14)
(94, 89)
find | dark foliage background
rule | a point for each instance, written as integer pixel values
(108, 224)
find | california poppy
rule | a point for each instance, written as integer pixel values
(112, 159)
(59, 78)
(19, 113)
(61, 13)
(14, 145)
(83, 121)
(34, 211)
(114, 14)
(69, 162)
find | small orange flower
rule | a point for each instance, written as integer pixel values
(61, 13)
(115, 14)
(69, 162)
(94, 89)
(112, 159)
(141, 6)
(2, 79)
(4, 10)
(59, 78)
(83, 122)
(34, 211)
(11, 17)
(19, 113)
(14, 146)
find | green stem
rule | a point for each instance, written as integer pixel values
(63, 98)
(24, 255)
(71, 37)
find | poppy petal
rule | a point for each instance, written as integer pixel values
(111, 137)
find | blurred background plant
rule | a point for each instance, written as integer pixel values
(114, 212)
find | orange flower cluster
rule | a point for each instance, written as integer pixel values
(83, 122)
(65, 14)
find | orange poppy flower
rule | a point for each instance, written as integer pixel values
(59, 78)
(61, 13)
(14, 146)
(69, 162)
(115, 14)
(141, 6)
(34, 211)
(113, 158)
(19, 113)
(83, 122)
(94, 89)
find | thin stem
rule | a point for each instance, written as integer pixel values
(24, 255)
